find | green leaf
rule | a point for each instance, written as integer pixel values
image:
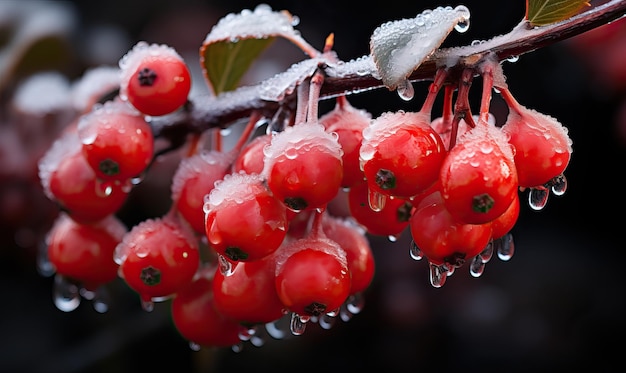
(237, 40)
(225, 62)
(545, 12)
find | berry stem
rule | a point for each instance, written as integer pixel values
(244, 137)
(315, 88)
(433, 90)
(511, 102)
(485, 103)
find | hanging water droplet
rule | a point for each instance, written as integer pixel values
(505, 247)
(326, 322)
(297, 325)
(274, 330)
(477, 266)
(487, 253)
(257, 341)
(65, 294)
(415, 252)
(194, 346)
(538, 198)
(559, 185)
(438, 274)
(512, 59)
(376, 200)
(225, 266)
(237, 348)
(355, 303)
(147, 305)
(44, 266)
(245, 334)
(405, 90)
(104, 188)
(449, 269)
(101, 299)
(345, 315)
(462, 26)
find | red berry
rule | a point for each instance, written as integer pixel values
(248, 294)
(84, 252)
(401, 154)
(68, 179)
(117, 141)
(303, 166)
(250, 159)
(478, 177)
(157, 258)
(155, 79)
(193, 180)
(312, 276)
(505, 222)
(196, 318)
(244, 221)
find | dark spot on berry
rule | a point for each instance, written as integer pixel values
(385, 179)
(296, 203)
(109, 167)
(146, 76)
(482, 203)
(235, 254)
(150, 276)
(315, 309)
(403, 213)
(456, 260)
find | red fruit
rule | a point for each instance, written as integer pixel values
(248, 294)
(193, 180)
(478, 177)
(303, 166)
(312, 276)
(348, 123)
(357, 248)
(542, 146)
(84, 252)
(401, 154)
(505, 222)
(250, 159)
(244, 221)
(196, 318)
(444, 240)
(117, 141)
(157, 258)
(390, 220)
(155, 79)
(68, 179)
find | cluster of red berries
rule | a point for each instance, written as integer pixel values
(249, 238)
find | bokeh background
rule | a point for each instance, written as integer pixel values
(556, 305)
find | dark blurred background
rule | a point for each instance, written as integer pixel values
(556, 305)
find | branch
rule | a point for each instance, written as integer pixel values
(205, 112)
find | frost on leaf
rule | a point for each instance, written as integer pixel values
(399, 47)
(280, 85)
(237, 40)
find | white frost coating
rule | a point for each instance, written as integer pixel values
(61, 148)
(88, 123)
(236, 188)
(260, 23)
(545, 125)
(43, 93)
(198, 164)
(385, 126)
(94, 83)
(399, 47)
(282, 84)
(323, 244)
(141, 52)
(301, 138)
(362, 66)
(485, 135)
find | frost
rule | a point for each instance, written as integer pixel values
(362, 66)
(141, 52)
(303, 136)
(100, 115)
(400, 47)
(323, 244)
(203, 163)
(93, 84)
(283, 84)
(259, 23)
(61, 148)
(43, 93)
(236, 187)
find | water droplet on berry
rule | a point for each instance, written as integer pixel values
(326, 321)
(65, 294)
(376, 200)
(298, 324)
(274, 330)
(354, 304)
(405, 90)
(194, 346)
(504, 247)
(237, 347)
(225, 266)
(538, 198)
(147, 305)
(104, 188)
(393, 238)
(101, 299)
(559, 185)
(257, 341)
(437, 274)
(487, 253)
(44, 266)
